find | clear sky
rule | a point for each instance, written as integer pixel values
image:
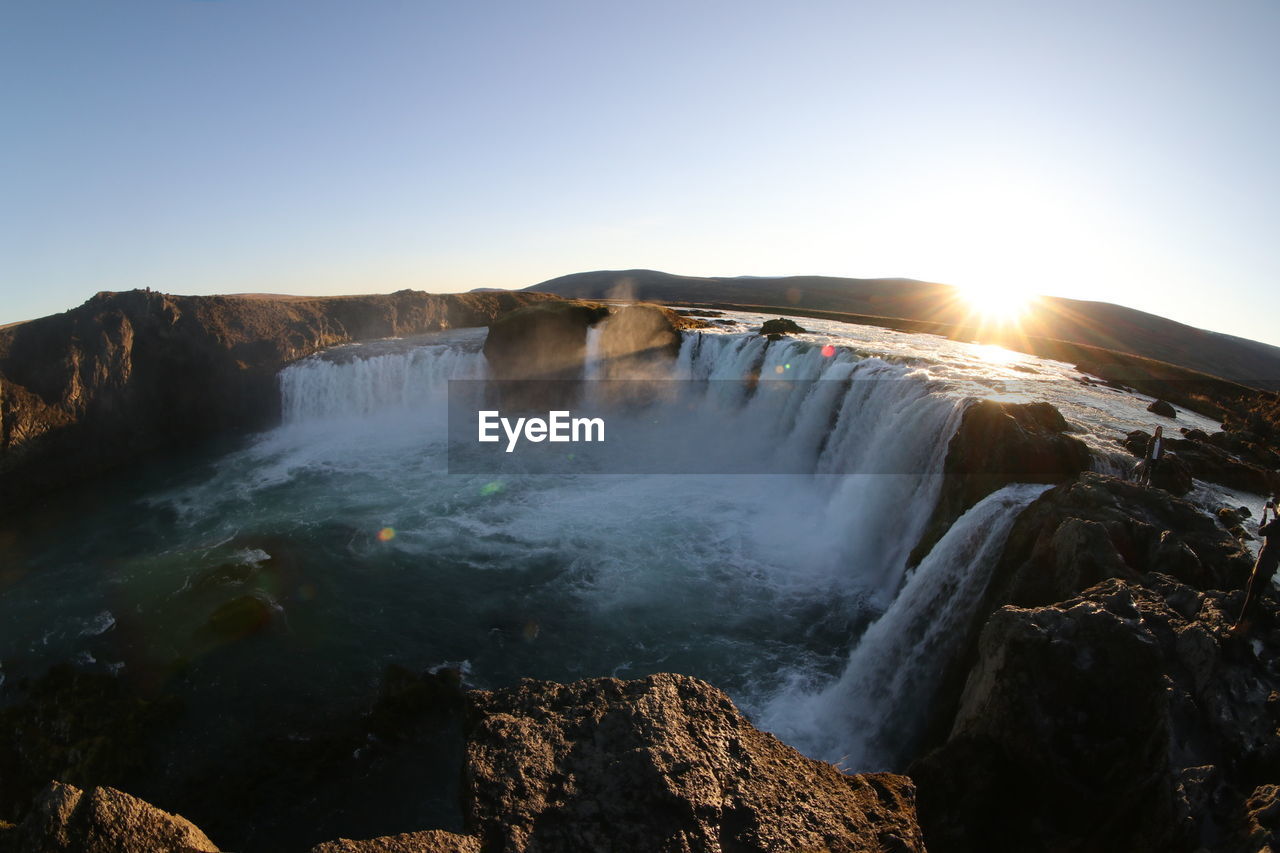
(1128, 152)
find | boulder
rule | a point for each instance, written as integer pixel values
(103, 820)
(779, 327)
(997, 444)
(638, 342)
(1208, 460)
(1122, 719)
(1171, 473)
(665, 763)
(1233, 521)
(1163, 409)
(547, 340)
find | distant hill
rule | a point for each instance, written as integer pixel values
(1099, 324)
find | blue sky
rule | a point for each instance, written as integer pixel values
(1115, 151)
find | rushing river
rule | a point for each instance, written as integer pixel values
(790, 591)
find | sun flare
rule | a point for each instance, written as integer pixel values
(996, 304)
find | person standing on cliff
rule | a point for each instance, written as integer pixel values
(1263, 570)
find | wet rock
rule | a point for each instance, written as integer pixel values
(638, 342)
(65, 819)
(1172, 473)
(995, 445)
(240, 617)
(1233, 521)
(1163, 409)
(433, 841)
(665, 763)
(543, 341)
(780, 326)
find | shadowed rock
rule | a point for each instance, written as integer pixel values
(544, 341)
(1163, 409)
(1122, 719)
(995, 445)
(776, 328)
(665, 763)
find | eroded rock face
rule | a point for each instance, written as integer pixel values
(1123, 719)
(103, 820)
(664, 763)
(998, 444)
(126, 374)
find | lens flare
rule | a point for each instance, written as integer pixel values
(386, 534)
(828, 351)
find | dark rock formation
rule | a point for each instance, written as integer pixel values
(1172, 473)
(1233, 521)
(543, 341)
(664, 763)
(83, 728)
(1122, 719)
(1163, 409)
(995, 445)
(127, 374)
(776, 328)
(103, 820)
(1098, 527)
(1222, 458)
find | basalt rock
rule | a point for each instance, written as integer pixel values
(665, 763)
(1163, 409)
(127, 374)
(995, 445)
(780, 326)
(1211, 460)
(1122, 719)
(431, 841)
(544, 341)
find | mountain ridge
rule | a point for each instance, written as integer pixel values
(1089, 322)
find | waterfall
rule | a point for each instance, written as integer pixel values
(321, 388)
(873, 714)
(835, 463)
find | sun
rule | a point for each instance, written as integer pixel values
(994, 303)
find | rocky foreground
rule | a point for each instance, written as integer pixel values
(662, 763)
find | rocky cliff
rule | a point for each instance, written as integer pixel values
(665, 763)
(125, 374)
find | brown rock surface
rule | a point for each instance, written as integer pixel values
(664, 763)
(103, 820)
(431, 841)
